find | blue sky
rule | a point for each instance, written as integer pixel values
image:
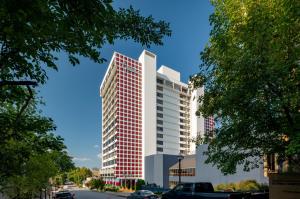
(72, 94)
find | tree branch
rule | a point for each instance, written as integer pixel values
(27, 101)
(25, 105)
(18, 83)
(285, 107)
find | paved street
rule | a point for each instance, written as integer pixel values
(86, 194)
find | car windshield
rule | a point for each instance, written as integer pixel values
(146, 192)
(187, 187)
(143, 193)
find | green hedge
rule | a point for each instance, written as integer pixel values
(112, 188)
(247, 185)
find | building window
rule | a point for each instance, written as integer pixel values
(182, 96)
(160, 88)
(160, 135)
(176, 87)
(159, 149)
(160, 81)
(160, 128)
(159, 101)
(159, 108)
(169, 84)
(160, 122)
(159, 94)
(159, 142)
(160, 115)
(184, 172)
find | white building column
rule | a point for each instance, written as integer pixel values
(148, 61)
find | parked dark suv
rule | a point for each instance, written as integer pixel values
(201, 190)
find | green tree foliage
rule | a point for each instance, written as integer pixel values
(97, 184)
(24, 135)
(139, 184)
(78, 175)
(63, 161)
(59, 180)
(111, 188)
(35, 177)
(30, 154)
(31, 31)
(251, 75)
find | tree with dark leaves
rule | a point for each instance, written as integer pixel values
(32, 33)
(251, 74)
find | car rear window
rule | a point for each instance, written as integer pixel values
(203, 187)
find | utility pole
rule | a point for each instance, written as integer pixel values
(179, 157)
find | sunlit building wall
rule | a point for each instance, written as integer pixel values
(145, 111)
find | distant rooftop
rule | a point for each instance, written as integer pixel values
(169, 72)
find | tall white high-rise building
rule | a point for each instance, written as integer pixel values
(172, 113)
(145, 111)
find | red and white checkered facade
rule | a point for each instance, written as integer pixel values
(121, 108)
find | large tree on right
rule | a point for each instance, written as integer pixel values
(251, 73)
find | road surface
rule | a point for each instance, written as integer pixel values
(87, 194)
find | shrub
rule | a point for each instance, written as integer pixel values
(246, 185)
(97, 184)
(139, 184)
(220, 187)
(112, 188)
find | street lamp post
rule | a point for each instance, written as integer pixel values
(179, 157)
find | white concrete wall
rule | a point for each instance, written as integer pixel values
(148, 61)
(171, 111)
(157, 169)
(172, 74)
(170, 118)
(197, 123)
(183, 178)
(209, 173)
(105, 80)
